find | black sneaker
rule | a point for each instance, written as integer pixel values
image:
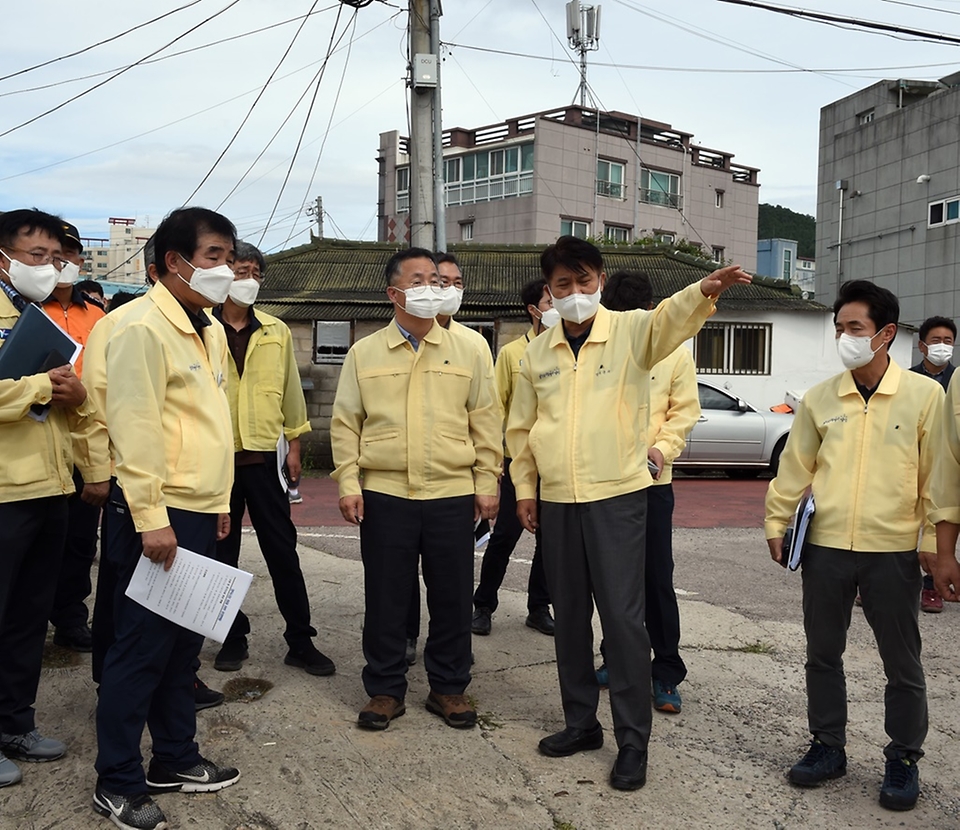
(75, 637)
(205, 777)
(481, 621)
(901, 785)
(204, 697)
(231, 655)
(129, 812)
(819, 764)
(311, 660)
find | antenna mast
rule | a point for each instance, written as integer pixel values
(583, 35)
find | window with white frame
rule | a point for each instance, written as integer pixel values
(718, 198)
(943, 212)
(718, 253)
(668, 237)
(787, 273)
(574, 227)
(489, 175)
(466, 232)
(610, 179)
(616, 234)
(403, 190)
(659, 188)
(331, 340)
(866, 116)
(733, 349)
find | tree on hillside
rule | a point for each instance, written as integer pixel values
(776, 222)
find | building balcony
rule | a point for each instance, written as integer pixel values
(657, 197)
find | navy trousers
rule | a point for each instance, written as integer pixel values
(31, 545)
(149, 669)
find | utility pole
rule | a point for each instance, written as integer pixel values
(439, 195)
(316, 209)
(423, 86)
(583, 35)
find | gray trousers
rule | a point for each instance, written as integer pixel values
(889, 585)
(594, 552)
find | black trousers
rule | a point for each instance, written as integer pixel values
(101, 626)
(662, 612)
(149, 670)
(594, 552)
(397, 533)
(889, 585)
(506, 533)
(73, 586)
(257, 488)
(31, 546)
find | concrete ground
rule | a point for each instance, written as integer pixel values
(719, 764)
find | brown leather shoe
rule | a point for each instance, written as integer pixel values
(378, 713)
(456, 710)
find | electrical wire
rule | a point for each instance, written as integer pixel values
(179, 54)
(306, 120)
(253, 106)
(91, 47)
(61, 105)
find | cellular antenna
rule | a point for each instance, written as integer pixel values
(583, 34)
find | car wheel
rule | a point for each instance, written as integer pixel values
(743, 472)
(777, 451)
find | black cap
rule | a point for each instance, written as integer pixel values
(73, 234)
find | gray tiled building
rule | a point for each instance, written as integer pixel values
(579, 171)
(890, 158)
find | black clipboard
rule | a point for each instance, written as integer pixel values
(34, 341)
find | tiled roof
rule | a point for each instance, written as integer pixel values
(332, 280)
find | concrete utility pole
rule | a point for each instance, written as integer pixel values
(316, 209)
(423, 89)
(439, 195)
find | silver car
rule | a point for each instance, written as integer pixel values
(734, 436)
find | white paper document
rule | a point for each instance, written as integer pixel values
(805, 511)
(197, 592)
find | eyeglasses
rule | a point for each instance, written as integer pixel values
(244, 273)
(40, 257)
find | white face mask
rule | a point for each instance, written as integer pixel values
(213, 284)
(855, 351)
(577, 308)
(423, 301)
(68, 273)
(939, 354)
(549, 318)
(452, 297)
(244, 292)
(35, 282)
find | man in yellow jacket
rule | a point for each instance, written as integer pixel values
(417, 446)
(37, 414)
(508, 530)
(865, 441)
(579, 417)
(674, 410)
(266, 404)
(169, 426)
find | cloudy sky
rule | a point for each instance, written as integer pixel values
(740, 79)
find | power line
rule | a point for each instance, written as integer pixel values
(93, 46)
(256, 101)
(118, 74)
(333, 111)
(179, 54)
(820, 17)
(306, 120)
(704, 70)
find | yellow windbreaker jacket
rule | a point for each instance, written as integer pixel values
(167, 412)
(268, 399)
(870, 464)
(421, 424)
(674, 408)
(37, 457)
(582, 422)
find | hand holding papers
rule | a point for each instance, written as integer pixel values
(197, 592)
(796, 536)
